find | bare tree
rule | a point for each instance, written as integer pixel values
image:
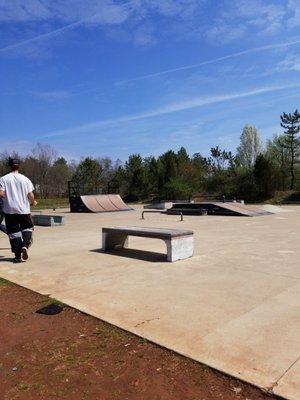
(59, 175)
(250, 146)
(42, 161)
(4, 168)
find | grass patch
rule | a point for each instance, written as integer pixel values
(23, 387)
(60, 202)
(286, 197)
(4, 282)
(52, 300)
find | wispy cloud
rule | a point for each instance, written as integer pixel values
(104, 13)
(53, 94)
(294, 8)
(290, 63)
(237, 19)
(37, 38)
(97, 13)
(147, 21)
(68, 11)
(213, 61)
(224, 33)
(168, 109)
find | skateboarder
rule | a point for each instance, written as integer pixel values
(16, 191)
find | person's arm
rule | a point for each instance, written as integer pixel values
(2, 189)
(31, 199)
(30, 189)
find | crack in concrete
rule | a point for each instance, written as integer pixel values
(146, 321)
(270, 389)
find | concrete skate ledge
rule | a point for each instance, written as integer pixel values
(47, 220)
(180, 243)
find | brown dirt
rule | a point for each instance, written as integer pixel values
(77, 357)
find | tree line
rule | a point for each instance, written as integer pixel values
(253, 172)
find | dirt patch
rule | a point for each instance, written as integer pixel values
(77, 357)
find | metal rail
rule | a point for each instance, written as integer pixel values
(159, 212)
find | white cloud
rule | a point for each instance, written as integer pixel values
(40, 37)
(224, 33)
(261, 13)
(134, 16)
(53, 94)
(184, 8)
(148, 21)
(144, 35)
(290, 63)
(189, 104)
(100, 11)
(243, 18)
(274, 46)
(294, 8)
(67, 11)
(21, 11)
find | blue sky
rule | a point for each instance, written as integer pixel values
(111, 78)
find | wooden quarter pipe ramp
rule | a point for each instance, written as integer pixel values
(98, 203)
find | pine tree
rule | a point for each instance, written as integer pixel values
(291, 124)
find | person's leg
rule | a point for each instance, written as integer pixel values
(27, 227)
(14, 234)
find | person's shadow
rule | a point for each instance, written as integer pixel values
(3, 258)
(7, 259)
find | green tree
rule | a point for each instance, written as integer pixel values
(118, 182)
(220, 159)
(263, 176)
(178, 189)
(244, 184)
(169, 165)
(135, 176)
(59, 175)
(182, 157)
(291, 124)
(88, 176)
(151, 176)
(279, 155)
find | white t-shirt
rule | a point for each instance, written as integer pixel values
(16, 187)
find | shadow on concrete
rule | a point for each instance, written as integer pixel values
(9, 259)
(143, 255)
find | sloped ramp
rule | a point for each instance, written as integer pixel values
(98, 203)
(219, 208)
(243, 209)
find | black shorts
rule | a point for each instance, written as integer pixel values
(18, 222)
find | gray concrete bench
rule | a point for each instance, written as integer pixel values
(47, 220)
(180, 243)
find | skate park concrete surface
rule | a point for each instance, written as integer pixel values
(234, 306)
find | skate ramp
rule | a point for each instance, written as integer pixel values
(98, 203)
(275, 209)
(243, 209)
(219, 208)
